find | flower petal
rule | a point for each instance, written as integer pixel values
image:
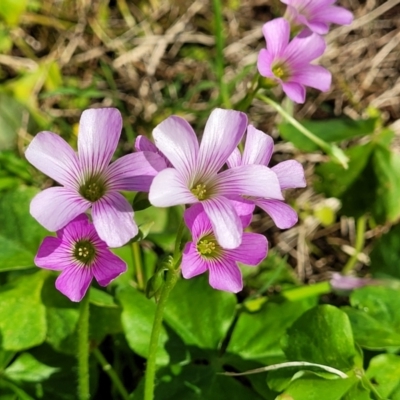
(248, 180)
(223, 132)
(235, 159)
(244, 209)
(107, 267)
(302, 50)
(276, 33)
(290, 174)
(294, 91)
(258, 148)
(314, 76)
(225, 275)
(197, 221)
(282, 214)
(99, 132)
(113, 219)
(56, 206)
(134, 171)
(74, 282)
(176, 139)
(53, 254)
(144, 144)
(225, 222)
(52, 155)
(334, 14)
(168, 189)
(264, 63)
(192, 263)
(252, 251)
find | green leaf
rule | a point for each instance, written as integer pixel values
(257, 335)
(11, 10)
(384, 372)
(137, 321)
(26, 368)
(104, 321)
(101, 298)
(20, 234)
(23, 320)
(374, 316)
(199, 314)
(321, 335)
(331, 130)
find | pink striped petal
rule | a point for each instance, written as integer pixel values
(113, 219)
(99, 132)
(294, 91)
(282, 214)
(248, 180)
(252, 251)
(223, 132)
(235, 159)
(244, 209)
(225, 222)
(144, 144)
(276, 33)
(168, 189)
(290, 174)
(134, 171)
(52, 155)
(334, 14)
(314, 76)
(258, 148)
(264, 63)
(301, 50)
(74, 282)
(225, 275)
(107, 267)
(192, 263)
(176, 139)
(53, 254)
(56, 206)
(197, 221)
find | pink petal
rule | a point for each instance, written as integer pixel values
(197, 221)
(225, 275)
(248, 180)
(294, 91)
(144, 144)
(276, 33)
(235, 159)
(74, 282)
(321, 28)
(113, 219)
(168, 189)
(314, 76)
(302, 50)
(175, 138)
(290, 174)
(244, 209)
(225, 222)
(99, 132)
(223, 132)
(53, 254)
(192, 263)
(56, 206)
(134, 171)
(52, 155)
(336, 15)
(264, 63)
(107, 267)
(258, 148)
(283, 215)
(252, 251)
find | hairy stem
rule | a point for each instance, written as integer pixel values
(83, 350)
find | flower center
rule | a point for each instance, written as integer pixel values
(208, 247)
(279, 71)
(93, 189)
(199, 191)
(85, 252)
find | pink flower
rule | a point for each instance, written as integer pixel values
(80, 254)
(196, 177)
(258, 150)
(289, 63)
(316, 15)
(204, 253)
(87, 178)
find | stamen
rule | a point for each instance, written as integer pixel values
(93, 189)
(200, 191)
(278, 71)
(208, 247)
(85, 252)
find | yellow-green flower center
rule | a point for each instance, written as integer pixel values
(93, 189)
(279, 71)
(84, 251)
(208, 247)
(200, 191)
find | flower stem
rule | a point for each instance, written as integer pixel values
(137, 259)
(360, 240)
(83, 350)
(108, 369)
(330, 149)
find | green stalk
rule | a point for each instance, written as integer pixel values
(330, 149)
(83, 350)
(137, 259)
(360, 240)
(219, 42)
(108, 369)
